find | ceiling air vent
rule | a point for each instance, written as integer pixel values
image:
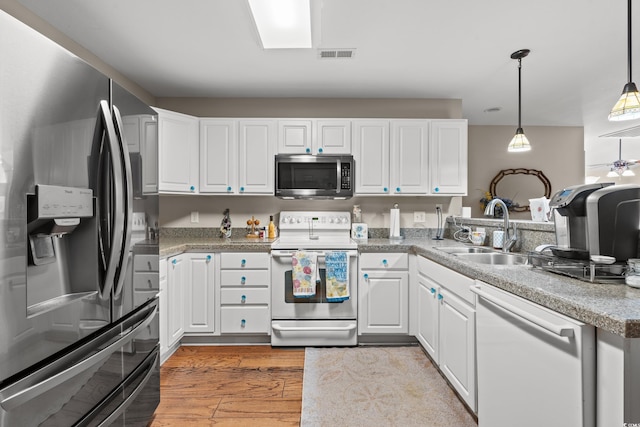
(632, 132)
(336, 53)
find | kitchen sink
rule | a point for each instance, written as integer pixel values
(494, 258)
(465, 249)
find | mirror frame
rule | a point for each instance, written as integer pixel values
(520, 171)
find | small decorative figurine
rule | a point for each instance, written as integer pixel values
(251, 229)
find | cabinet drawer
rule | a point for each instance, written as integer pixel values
(255, 319)
(145, 263)
(145, 281)
(387, 261)
(244, 260)
(245, 296)
(452, 280)
(244, 278)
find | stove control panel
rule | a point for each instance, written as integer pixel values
(318, 220)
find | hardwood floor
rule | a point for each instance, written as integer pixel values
(231, 386)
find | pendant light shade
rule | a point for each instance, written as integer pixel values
(519, 142)
(628, 106)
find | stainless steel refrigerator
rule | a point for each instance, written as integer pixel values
(78, 338)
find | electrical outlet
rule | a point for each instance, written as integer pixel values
(195, 217)
(419, 217)
(439, 206)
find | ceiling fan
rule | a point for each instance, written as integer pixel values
(621, 167)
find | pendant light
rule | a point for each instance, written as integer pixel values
(628, 106)
(519, 141)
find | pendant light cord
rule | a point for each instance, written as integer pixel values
(520, 92)
(629, 38)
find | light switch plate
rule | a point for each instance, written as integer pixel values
(138, 221)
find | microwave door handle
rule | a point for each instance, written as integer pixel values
(338, 177)
(127, 198)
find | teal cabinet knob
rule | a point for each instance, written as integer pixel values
(243, 323)
(440, 297)
(243, 262)
(241, 189)
(243, 280)
(433, 291)
(243, 299)
(437, 189)
(385, 189)
(385, 263)
(192, 188)
(208, 257)
(366, 276)
(308, 150)
(397, 189)
(320, 150)
(174, 261)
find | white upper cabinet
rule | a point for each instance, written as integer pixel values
(294, 136)
(409, 153)
(314, 136)
(333, 136)
(371, 154)
(178, 152)
(256, 151)
(236, 156)
(449, 157)
(218, 156)
(149, 154)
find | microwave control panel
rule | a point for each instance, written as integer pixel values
(345, 176)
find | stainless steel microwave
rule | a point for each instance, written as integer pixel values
(322, 176)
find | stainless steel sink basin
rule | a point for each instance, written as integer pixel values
(464, 249)
(494, 258)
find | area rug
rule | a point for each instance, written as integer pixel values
(377, 386)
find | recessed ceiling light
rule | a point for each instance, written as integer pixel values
(282, 24)
(492, 109)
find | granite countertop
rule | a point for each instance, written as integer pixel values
(612, 307)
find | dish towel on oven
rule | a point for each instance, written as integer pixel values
(337, 276)
(304, 273)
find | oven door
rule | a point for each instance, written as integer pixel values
(285, 306)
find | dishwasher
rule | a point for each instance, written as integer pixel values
(535, 367)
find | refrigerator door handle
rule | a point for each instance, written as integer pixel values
(111, 232)
(10, 399)
(127, 198)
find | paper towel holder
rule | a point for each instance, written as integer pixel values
(394, 225)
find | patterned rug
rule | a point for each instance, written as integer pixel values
(377, 386)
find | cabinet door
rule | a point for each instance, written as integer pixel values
(428, 326)
(457, 345)
(409, 157)
(178, 152)
(333, 137)
(371, 154)
(163, 296)
(256, 156)
(198, 293)
(131, 130)
(383, 302)
(294, 136)
(448, 157)
(218, 156)
(149, 154)
(176, 276)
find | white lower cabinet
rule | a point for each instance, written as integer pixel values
(383, 294)
(245, 293)
(163, 296)
(446, 325)
(176, 277)
(198, 293)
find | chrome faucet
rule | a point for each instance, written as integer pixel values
(509, 237)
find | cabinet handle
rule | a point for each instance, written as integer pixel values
(149, 264)
(385, 189)
(208, 257)
(243, 323)
(174, 261)
(437, 189)
(243, 280)
(366, 276)
(433, 291)
(243, 262)
(440, 297)
(241, 189)
(243, 299)
(320, 150)
(192, 188)
(229, 188)
(385, 263)
(397, 189)
(149, 283)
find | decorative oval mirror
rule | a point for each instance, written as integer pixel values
(520, 187)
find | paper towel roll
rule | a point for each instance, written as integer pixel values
(394, 223)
